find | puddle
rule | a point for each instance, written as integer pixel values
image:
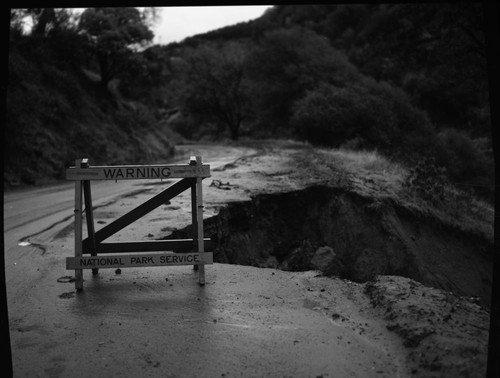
(66, 279)
(67, 295)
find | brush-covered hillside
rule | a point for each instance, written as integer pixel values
(58, 109)
(407, 80)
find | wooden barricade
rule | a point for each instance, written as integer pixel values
(137, 253)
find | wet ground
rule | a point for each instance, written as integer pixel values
(246, 321)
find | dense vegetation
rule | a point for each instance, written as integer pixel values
(60, 108)
(408, 80)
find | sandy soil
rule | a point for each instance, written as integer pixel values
(246, 321)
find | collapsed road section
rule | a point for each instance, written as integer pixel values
(343, 234)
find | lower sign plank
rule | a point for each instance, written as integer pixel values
(141, 260)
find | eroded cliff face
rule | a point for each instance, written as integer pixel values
(341, 233)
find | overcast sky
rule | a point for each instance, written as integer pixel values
(177, 23)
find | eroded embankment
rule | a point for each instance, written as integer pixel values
(344, 234)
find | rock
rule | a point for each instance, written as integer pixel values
(322, 257)
(300, 258)
(271, 262)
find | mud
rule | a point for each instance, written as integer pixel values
(434, 325)
(345, 235)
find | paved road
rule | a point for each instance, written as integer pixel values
(38, 214)
(32, 217)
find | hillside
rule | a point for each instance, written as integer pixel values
(425, 49)
(58, 112)
(408, 80)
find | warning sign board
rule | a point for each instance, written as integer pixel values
(131, 172)
(140, 260)
(104, 255)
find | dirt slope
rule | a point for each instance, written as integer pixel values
(297, 217)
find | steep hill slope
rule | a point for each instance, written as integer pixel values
(57, 112)
(407, 79)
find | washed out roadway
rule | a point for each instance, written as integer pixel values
(158, 322)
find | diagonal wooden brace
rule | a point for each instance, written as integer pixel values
(140, 211)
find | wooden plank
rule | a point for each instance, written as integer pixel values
(89, 215)
(194, 217)
(143, 209)
(137, 172)
(199, 223)
(175, 245)
(139, 260)
(78, 230)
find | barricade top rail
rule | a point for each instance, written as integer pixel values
(134, 172)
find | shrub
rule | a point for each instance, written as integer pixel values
(468, 162)
(183, 124)
(288, 62)
(323, 116)
(459, 154)
(375, 115)
(427, 179)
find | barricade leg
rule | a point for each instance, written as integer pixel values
(194, 220)
(78, 229)
(199, 214)
(89, 215)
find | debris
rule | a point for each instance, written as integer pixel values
(67, 295)
(220, 185)
(335, 316)
(227, 166)
(322, 258)
(172, 207)
(66, 279)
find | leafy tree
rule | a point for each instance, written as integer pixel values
(465, 162)
(436, 52)
(41, 22)
(148, 71)
(17, 20)
(286, 64)
(216, 87)
(45, 18)
(114, 33)
(375, 114)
